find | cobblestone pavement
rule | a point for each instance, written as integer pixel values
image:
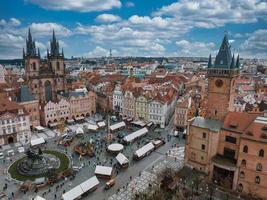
(173, 160)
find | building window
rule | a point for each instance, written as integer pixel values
(203, 146)
(57, 65)
(204, 135)
(261, 153)
(245, 149)
(229, 153)
(257, 180)
(259, 167)
(240, 188)
(243, 163)
(242, 174)
(230, 139)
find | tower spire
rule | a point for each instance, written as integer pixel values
(233, 62)
(39, 55)
(23, 53)
(210, 62)
(237, 62)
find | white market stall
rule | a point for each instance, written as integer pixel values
(117, 126)
(79, 131)
(92, 127)
(37, 141)
(144, 151)
(115, 147)
(138, 123)
(137, 134)
(86, 186)
(103, 171)
(39, 128)
(101, 124)
(124, 162)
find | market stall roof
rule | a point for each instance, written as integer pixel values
(122, 159)
(144, 149)
(39, 128)
(92, 127)
(117, 126)
(37, 141)
(73, 193)
(53, 124)
(89, 184)
(115, 147)
(79, 130)
(101, 124)
(39, 198)
(136, 134)
(138, 123)
(103, 170)
(70, 120)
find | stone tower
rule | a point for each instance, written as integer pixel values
(221, 82)
(45, 79)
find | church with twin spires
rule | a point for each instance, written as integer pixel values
(45, 78)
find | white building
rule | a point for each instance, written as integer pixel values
(117, 99)
(14, 123)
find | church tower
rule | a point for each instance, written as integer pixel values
(221, 81)
(55, 61)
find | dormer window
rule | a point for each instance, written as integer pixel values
(20, 111)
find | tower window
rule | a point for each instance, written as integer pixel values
(261, 153)
(57, 65)
(34, 66)
(257, 180)
(245, 149)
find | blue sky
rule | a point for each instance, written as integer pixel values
(89, 28)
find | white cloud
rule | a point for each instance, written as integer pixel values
(255, 45)
(129, 4)
(77, 5)
(186, 48)
(14, 22)
(10, 46)
(97, 52)
(108, 18)
(45, 29)
(210, 14)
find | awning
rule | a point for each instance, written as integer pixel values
(101, 124)
(39, 128)
(37, 141)
(79, 118)
(117, 126)
(149, 124)
(143, 150)
(73, 193)
(122, 159)
(89, 184)
(129, 119)
(103, 170)
(70, 120)
(53, 124)
(92, 127)
(138, 123)
(136, 134)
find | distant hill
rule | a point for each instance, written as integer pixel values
(11, 62)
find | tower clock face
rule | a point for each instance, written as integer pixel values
(219, 83)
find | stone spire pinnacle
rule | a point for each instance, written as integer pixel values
(233, 62)
(30, 45)
(237, 62)
(54, 45)
(210, 62)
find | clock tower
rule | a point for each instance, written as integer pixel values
(221, 81)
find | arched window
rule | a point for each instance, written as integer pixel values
(57, 65)
(245, 149)
(261, 153)
(259, 167)
(240, 187)
(34, 66)
(242, 174)
(243, 163)
(257, 180)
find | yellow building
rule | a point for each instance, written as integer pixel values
(141, 108)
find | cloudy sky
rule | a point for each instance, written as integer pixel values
(90, 28)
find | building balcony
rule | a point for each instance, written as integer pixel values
(224, 162)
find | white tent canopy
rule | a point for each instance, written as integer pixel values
(136, 134)
(79, 130)
(139, 123)
(122, 159)
(37, 141)
(144, 149)
(39, 198)
(39, 128)
(77, 191)
(101, 124)
(117, 126)
(92, 127)
(103, 170)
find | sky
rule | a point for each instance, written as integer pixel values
(89, 28)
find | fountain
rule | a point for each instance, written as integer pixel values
(37, 163)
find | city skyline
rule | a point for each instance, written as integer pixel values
(133, 28)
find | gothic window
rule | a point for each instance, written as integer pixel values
(240, 187)
(34, 66)
(243, 163)
(48, 91)
(257, 180)
(261, 153)
(259, 167)
(245, 149)
(57, 65)
(242, 174)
